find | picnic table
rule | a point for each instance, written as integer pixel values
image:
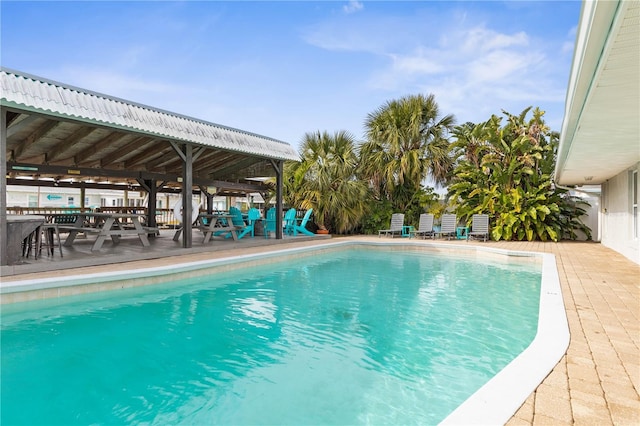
(211, 224)
(105, 225)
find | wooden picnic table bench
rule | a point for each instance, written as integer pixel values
(107, 225)
(212, 224)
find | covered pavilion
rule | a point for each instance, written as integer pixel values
(54, 134)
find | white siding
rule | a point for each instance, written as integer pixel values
(617, 217)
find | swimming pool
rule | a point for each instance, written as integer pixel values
(343, 349)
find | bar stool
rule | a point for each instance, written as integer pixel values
(49, 230)
(32, 241)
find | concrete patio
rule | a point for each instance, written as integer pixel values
(597, 381)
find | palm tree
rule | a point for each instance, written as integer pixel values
(406, 143)
(324, 180)
(469, 142)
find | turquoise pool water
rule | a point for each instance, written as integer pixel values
(351, 337)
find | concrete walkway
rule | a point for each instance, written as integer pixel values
(597, 382)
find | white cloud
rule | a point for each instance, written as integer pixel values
(113, 82)
(476, 72)
(423, 61)
(501, 65)
(567, 47)
(339, 37)
(353, 6)
(480, 39)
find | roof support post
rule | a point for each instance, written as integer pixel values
(187, 191)
(151, 186)
(186, 153)
(204, 190)
(278, 167)
(83, 192)
(4, 260)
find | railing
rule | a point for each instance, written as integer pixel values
(165, 218)
(126, 210)
(46, 211)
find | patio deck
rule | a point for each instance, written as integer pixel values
(596, 382)
(79, 255)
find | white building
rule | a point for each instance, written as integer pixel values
(600, 137)
(36, 196)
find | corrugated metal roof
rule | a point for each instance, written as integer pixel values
(24, 91)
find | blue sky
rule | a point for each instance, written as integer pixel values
(283, 68)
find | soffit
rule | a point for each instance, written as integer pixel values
(601, 129)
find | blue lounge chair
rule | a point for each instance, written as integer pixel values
(289, 221)
(252, 216)
(295, 227)
(236, 220)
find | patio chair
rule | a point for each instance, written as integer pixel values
(270, 222)
(296, 227)
(252, 216)
(479, 227)
(448, 225)
(289, 221)
(397, 222)
(236, 220)
(425, 227)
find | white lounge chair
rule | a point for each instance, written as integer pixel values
(479, 227)
(425, 227)
(448, 225)
(397, 222)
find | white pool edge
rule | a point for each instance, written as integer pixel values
(105, 277)
(493, 404)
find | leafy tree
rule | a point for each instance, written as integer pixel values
(505, 171)
(406, 143)
(380, 211)
(325, 180)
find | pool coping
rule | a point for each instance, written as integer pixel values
(494, 403)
